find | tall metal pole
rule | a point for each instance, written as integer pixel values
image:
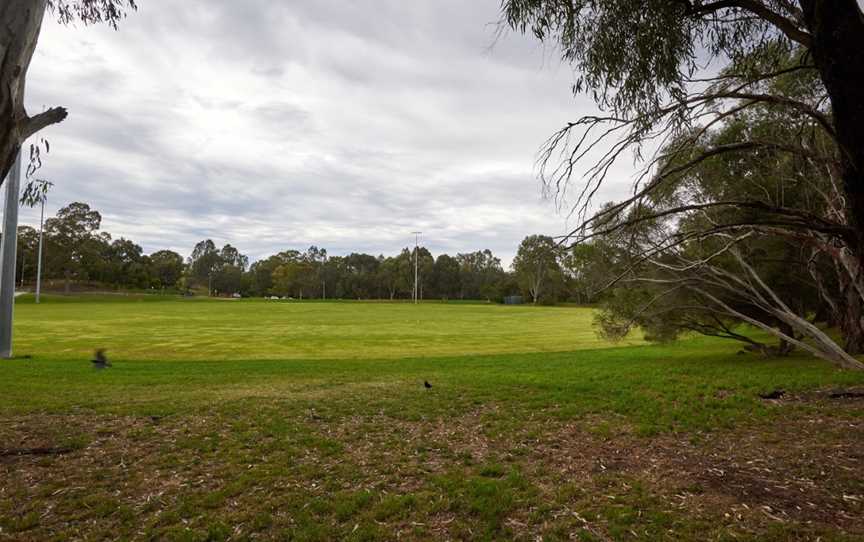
(416, 263)
(39, 258)
(7, 258)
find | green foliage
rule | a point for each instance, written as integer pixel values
(537, 268)
(109, 12)
(634, 56)
(167, 268)
(721, 214)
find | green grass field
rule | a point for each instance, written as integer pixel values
(248, 420)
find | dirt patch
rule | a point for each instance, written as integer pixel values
(800, 469)
(806, 469)
(803, 469)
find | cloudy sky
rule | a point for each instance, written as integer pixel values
(276, 125)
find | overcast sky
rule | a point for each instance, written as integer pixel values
(276, 125)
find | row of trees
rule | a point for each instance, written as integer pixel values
(76, 250)
(312, 273)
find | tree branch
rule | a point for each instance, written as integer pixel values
(784, 25)
(33, 124)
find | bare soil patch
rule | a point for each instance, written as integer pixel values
(78, 476)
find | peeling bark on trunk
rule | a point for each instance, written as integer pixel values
(20, 22)
(851, 323)
(847, 308)
(837, 46)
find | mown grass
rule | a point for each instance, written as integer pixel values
(159, 328)
(310, 422)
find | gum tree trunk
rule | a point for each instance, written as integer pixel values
(837, 45)
(20, 22)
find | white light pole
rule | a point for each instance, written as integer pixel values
(7, 258)
(416, 263)
(39, 257)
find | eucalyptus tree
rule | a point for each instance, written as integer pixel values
(705, 252)
(780, 87)
(203, 262)
(166, 268)
(228, 271)
(536, 266)
(359, 275)
(73, 241)
(586, 269)
(126, 265)
(479, 273)
(640, 60)
(673, 70)
(446, 280)
(389, 276)
(713, 284)
(20, 25)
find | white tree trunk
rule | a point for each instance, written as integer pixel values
(20, 22)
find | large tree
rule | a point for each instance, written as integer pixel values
(702, 254)
(644, 63)
(20, 24)
(586, 268)
(537, 268)
(203, 262)
(166, 268)
(479, 272)
(445, 277)
(674, 74)
(74, 240)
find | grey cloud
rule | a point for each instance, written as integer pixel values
(283, 124)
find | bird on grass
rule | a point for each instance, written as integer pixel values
(776, 394)
(427, 385)
(100, 361)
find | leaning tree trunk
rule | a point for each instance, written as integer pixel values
(20, 22)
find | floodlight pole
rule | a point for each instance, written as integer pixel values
(7, 258)
(416, 264)
(39, 258)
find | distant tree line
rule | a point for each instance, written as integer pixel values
(78, 253)
(75, 251)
